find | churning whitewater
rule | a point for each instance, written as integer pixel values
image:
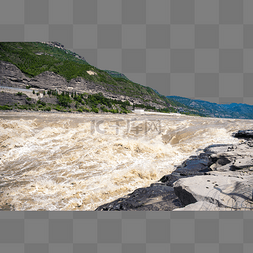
(60, 161)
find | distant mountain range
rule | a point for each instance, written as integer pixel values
(238, 111)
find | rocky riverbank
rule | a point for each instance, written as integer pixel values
(220, 178)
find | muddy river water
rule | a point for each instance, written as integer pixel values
(64, 161)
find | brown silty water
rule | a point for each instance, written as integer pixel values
(53, 161)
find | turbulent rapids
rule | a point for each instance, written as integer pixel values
(53, 161)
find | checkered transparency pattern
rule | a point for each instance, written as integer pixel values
(199, 49)
(123, 232)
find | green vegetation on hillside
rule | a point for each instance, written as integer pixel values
(84, 103)
(116, 74)
(5, 107)
(34, 58)
(64, 100)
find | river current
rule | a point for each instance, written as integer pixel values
(64, 161)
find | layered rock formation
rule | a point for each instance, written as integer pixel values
(8, 98)
(11, 76)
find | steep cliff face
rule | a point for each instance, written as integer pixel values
(11, 76)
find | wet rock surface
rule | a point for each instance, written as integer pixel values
(156, 197)
(219, 179)
(244, 134)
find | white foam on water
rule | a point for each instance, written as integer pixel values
(55, 162)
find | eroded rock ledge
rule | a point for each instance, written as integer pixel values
(11, 76)
(226, 183)
(220, 178)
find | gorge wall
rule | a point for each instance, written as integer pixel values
(11, 76)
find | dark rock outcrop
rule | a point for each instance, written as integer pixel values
(244, 134)
(156, 197)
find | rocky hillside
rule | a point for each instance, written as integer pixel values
(50, 66)
(46, 66)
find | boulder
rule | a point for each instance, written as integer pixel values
(156, 197)
(221, 190)
(219, 148)
(244, 134)
(170, 179)
(194, 166)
